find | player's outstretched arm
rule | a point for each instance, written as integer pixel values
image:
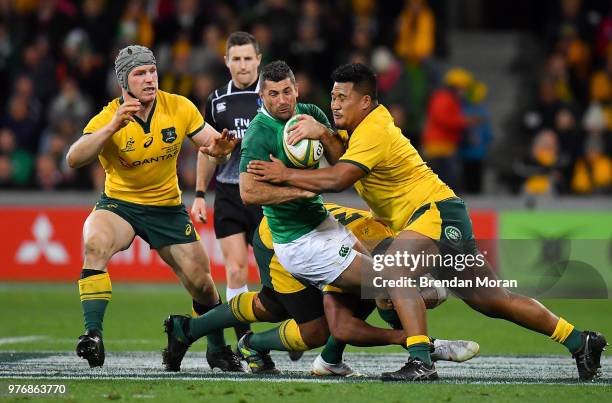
(333, 179)
(254, 192)
(308, 127)
(86, 149)
(217, 145)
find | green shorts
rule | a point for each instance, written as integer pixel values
(157, 225)
(446, 221)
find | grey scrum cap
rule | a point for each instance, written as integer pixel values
(128, 59)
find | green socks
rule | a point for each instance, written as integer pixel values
(211, 322)
(93, 313)
(420, 351)
(268, 340)
(573, 342)
(95, 291)
(333, 350)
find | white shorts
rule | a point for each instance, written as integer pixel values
(319, 256)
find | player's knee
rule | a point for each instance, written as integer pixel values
(237, 274)
(98, 245)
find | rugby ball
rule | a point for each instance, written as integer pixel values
(305, 153)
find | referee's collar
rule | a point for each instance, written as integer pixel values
(231, 88)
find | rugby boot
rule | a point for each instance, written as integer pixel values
(177, 329)
(91, 348)
(259, 362)
(295, 355)
(226, 360)
(454, 350)
(588, 357)
(413, 370)
(322, 368)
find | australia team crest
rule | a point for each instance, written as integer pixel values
(169, 135)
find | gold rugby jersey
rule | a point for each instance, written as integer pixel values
(397, 180)
(140, 159)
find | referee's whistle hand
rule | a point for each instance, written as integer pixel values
(198, 210)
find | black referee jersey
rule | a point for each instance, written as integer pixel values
(232, 108)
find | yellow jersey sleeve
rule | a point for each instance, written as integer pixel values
(398, 181)
(103, 118)
(344, 137)
(367, 147)
(191, 115)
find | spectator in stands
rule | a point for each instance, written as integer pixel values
(39, 65)
(263, 35)
(97, 24)
(6, 54)
(310, 91)
(578, 55)
(24, 87)
(6, 170)
(360, 46)
(281, 19)
(135, 25)
(48, 176)
(205, 56)
(570, 143)
(22, 122)
(16, 165)
(185, 17)
(601, 89)
(308, 47)
(557, 72)
(202, 87)
(69, 103)
(416, 32)
(545, 109)
(593, 172)
(445, 125)
(476, 141)
(541, 169)
(178, 79)
(414, 44)
(54, 144)
(604, 35)
(394, 89)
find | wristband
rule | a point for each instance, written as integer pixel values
(200, 193)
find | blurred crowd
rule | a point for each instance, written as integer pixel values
(569, 124)
(56, 69)
(56, 64)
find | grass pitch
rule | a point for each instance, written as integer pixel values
(42, 322)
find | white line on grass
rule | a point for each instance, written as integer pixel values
(21, 339)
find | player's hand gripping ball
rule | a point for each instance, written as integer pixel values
(306, 152)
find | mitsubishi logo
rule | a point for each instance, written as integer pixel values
(30, 251)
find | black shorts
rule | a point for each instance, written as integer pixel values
(303, 306)
(232, 216)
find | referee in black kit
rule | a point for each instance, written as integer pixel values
(232, 106)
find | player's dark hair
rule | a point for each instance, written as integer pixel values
(240, 38)
(276, 71)
(362, 77)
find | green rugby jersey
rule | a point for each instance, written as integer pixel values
(291, 220)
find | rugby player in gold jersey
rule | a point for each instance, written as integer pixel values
(137, 139)
(371, 153)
